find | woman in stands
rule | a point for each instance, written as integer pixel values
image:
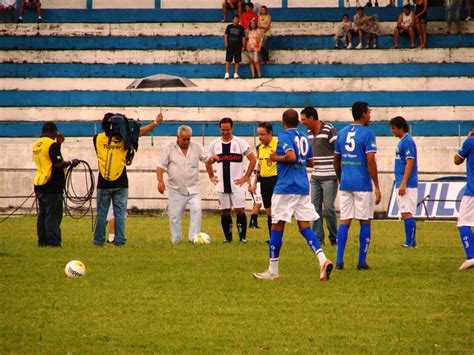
(421, 20)
(264, 24)
(254, 46)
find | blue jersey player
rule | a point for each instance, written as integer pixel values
(466, 211)
(356, 168)
(291, 196)
(406, 178)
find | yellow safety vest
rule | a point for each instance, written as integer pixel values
(44, 165)
(111, 156)
(266, 169)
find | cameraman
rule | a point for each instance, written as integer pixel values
(112, 185)
(49, 184)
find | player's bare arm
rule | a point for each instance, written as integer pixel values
(372, 167)
(406, 176)
(337, 165)
(253, 161)
(289, 157)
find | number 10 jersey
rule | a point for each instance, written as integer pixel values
(292, 177)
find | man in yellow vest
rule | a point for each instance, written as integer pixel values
(112, 185)
(267, 168)
(49, 184)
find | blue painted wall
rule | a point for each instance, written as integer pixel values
(168, 128)
(212, 15)
(217, 70)
(207, 42)
(232, 99)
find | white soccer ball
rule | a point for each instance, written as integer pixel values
(75, 268)
(201, 238)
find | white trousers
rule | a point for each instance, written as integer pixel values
(176, 207)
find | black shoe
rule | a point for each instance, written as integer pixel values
(243, 240)
(363, 267)
(333, 243)
(39, 20)
(227, 241)
(267, 241)
(340, 266)
(20, 20)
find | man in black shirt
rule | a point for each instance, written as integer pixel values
(49, 184)
(234, 41)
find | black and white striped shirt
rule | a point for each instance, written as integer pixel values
(323, 144)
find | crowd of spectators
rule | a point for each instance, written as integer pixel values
(249, 32)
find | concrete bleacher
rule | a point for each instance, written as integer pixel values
(75, 67)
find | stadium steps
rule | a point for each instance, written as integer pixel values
(75, 67)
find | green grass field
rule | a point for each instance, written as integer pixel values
(152, 296)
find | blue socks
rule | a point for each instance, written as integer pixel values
(276, 240)
(410, 232)
(467, 240)
(342, 233)
(364, 241)
(311, 239)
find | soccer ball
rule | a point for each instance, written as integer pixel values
(75, 268)
(201, 238)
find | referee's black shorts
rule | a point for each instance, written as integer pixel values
(267, 184)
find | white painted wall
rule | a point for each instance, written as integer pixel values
(247, 114)
(255, 85)
(210, 4)
(64, 4)
(17, 167)
(123, 4)
(294, 57)
(191, 29)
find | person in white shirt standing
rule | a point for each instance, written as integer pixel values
(180, 160)
(232, 176)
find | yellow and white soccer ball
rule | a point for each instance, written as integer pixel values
(201, 238)
(75, 268)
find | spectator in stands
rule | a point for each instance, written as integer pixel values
(8, 6)
(361, 24)
(264, 24)
(391, 3)
(234, 41)
(453, 14)
(247, 16)
(405, 26)
(373, 32)
(231, 5)
(31, 5)
(421, 20)
(254, 45)
(344, 32)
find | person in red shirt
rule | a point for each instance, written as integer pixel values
(247, 16)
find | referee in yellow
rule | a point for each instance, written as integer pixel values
(267, 168)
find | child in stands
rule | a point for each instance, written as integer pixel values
(344, 32)
(373, 32)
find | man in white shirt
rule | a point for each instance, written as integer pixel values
(180, 160)
(232, 176)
